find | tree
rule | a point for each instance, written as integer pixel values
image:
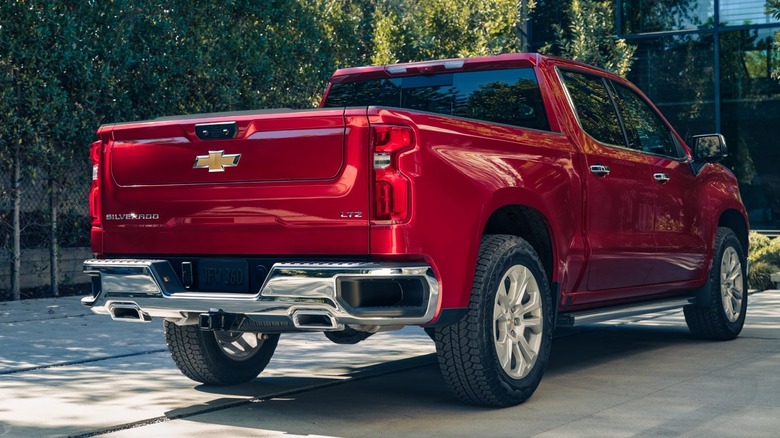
(39, 121)
(416, 30)
(348, 26)
(773, 9)
(80, 64)
(589, 37)
(170, 58)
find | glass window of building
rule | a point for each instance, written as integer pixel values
(750, 110)
(708, 65)
(744, 12)
(642, 16)
(677, 73)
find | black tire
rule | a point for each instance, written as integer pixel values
(721, 315)
(469, 350)
(214, 357)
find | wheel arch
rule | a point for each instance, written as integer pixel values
(529, 224)
(735, 221)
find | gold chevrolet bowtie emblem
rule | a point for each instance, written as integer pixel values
(216, 161)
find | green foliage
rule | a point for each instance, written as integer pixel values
(773, 9)
(760, 275)
(348, 26)
(173, 58)
(416, 30)
(589, 37)
(764, 260)
(389, 37)
(769, 253)
(758, 241)
(776, 44)
(84, 63)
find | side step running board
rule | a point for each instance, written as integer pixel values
(600, 315)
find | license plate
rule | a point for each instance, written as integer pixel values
(223, 276)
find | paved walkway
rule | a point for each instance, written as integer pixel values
(65, 371)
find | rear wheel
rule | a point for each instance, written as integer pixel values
(722, 314)
(496, 355)
(219, 357)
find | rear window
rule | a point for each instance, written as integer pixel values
(510, 96)
(594, 107)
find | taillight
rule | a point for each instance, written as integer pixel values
(95, 151)
(391, 187)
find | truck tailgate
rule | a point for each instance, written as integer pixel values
(271, 182)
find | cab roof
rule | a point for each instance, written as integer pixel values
(508, 60)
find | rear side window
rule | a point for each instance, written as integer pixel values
(509, 96)
(594, 107)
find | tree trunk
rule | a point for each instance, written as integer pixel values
(16, 257)
(53, 246)
(522, 25)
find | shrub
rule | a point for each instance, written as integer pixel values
(759, 275)
(769, 253)
(758, 241)
(764, 260)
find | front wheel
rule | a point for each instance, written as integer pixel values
(722, 314)
(219, 357)
(496, 355)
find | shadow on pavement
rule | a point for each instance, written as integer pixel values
(417, 402)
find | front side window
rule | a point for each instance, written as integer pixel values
(594, 108)
(645, 130)
(509, 96)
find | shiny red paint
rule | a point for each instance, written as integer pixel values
(298, 172)
(305, 186)
(474, 168)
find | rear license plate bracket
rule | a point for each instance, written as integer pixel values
(223, 275)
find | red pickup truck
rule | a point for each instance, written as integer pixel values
(488, 200)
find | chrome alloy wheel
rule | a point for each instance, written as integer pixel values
(239, 345)
(731, 284)
(517, 322)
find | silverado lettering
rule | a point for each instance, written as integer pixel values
(490, 200)
(131, 216)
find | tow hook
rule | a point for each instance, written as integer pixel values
(216, 320)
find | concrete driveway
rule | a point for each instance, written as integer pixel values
(64, 371)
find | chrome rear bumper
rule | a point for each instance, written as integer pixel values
(294, 296)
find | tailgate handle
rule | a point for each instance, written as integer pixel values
(216, 131)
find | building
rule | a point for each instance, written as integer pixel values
(707, 65)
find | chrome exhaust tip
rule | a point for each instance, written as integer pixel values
(314, 320)
(128, 312)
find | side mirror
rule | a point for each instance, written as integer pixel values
(709, 148)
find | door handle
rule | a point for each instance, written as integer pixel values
(599, 169)
(661, 177)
